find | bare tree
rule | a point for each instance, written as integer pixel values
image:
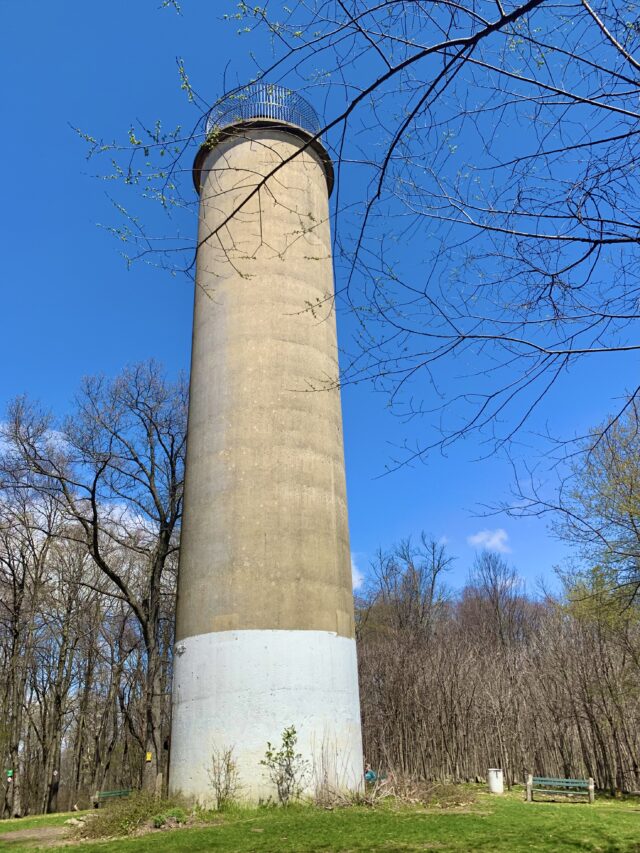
(27, 531)
(114, 468)
(593, 504)
(503, 680)
(486, 202)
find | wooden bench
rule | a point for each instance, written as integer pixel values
(101, 796)
(564, 787)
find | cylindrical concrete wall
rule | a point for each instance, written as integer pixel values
(265, 631)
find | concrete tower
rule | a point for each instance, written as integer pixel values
(265, 630)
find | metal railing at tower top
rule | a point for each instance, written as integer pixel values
(263, 100)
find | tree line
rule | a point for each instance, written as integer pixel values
(89, 527)
(451, 683)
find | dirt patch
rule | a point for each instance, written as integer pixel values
(47, 836)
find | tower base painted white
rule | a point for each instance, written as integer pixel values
(241, 689)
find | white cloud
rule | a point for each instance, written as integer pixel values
(54, 436)
(357, 577)
(491, 540)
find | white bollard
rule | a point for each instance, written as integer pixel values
(496, 781)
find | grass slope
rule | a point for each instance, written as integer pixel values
(493, 825)
(35, 822)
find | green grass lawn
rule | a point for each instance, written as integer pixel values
(37, 821)
(493, 824)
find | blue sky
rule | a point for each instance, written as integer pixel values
(70, 306)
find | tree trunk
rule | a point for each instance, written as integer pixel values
(152, 777)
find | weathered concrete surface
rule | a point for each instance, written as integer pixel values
(265, 541)
(241, 688)
(265, 548)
